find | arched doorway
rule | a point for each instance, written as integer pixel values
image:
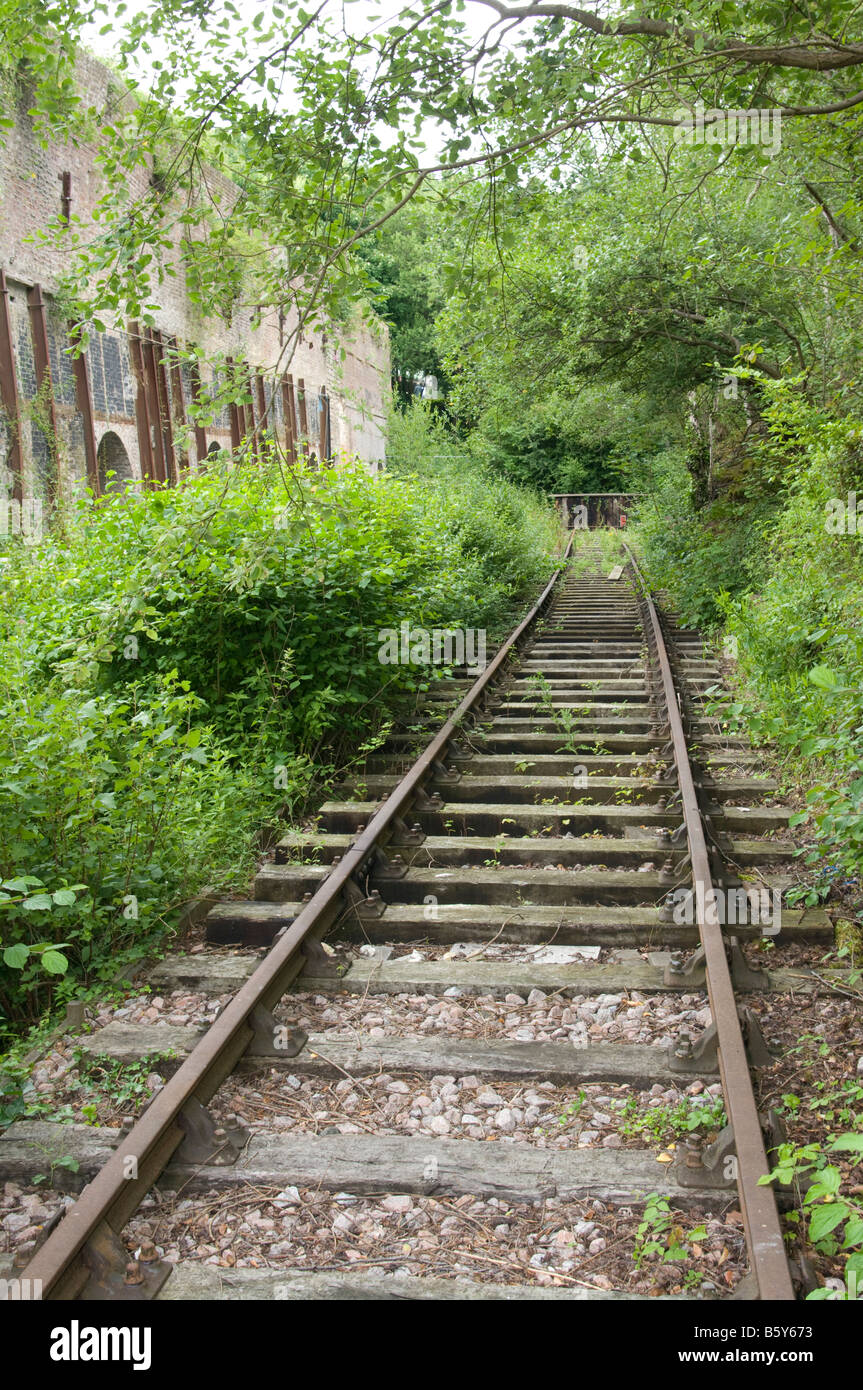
(112, 458)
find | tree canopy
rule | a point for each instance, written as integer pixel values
(322, 115)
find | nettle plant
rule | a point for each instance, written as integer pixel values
(660, 1235)
(19, 895)
(106, 805)
(824, 730)
(834, 1216)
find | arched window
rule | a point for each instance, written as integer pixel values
(112, 458)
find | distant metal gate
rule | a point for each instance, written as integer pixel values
(582, 511)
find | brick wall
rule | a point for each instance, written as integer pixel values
(351, 367)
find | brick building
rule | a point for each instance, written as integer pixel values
(123, 405)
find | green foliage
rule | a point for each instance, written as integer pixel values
(19, 1098)
(703, 556)
(835, 1217)
(662, 1123)
(554, 444)
(502, 527)
(325, 168)
(403, 262)
(660, 1236)
(64, 1161)
(177, 665)
(115, 805)
(98, 1086)
(106, 1081)
(788, 588)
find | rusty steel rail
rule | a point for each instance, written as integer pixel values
(757, 1203)
(88, 1233)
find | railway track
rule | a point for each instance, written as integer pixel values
(491, 891)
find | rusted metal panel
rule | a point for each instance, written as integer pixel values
(178, 403)
(164, 400)
(237, 415)
(324, 440)
(65, 195)
(142, 407)
(249, 407)
(9, 390)
(304, 415)
(263, 413)
(148, 353)
(84, 402)
(197, 395)
(44, 381)
(290, 410)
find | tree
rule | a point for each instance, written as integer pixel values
(323, 121)
(403, 262)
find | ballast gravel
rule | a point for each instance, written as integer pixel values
(653, 1019)
(542, 1114)
(551, 1242)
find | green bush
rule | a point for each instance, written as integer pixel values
(766, 570)
(112, 809)
(700, 556)
(175, 665)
